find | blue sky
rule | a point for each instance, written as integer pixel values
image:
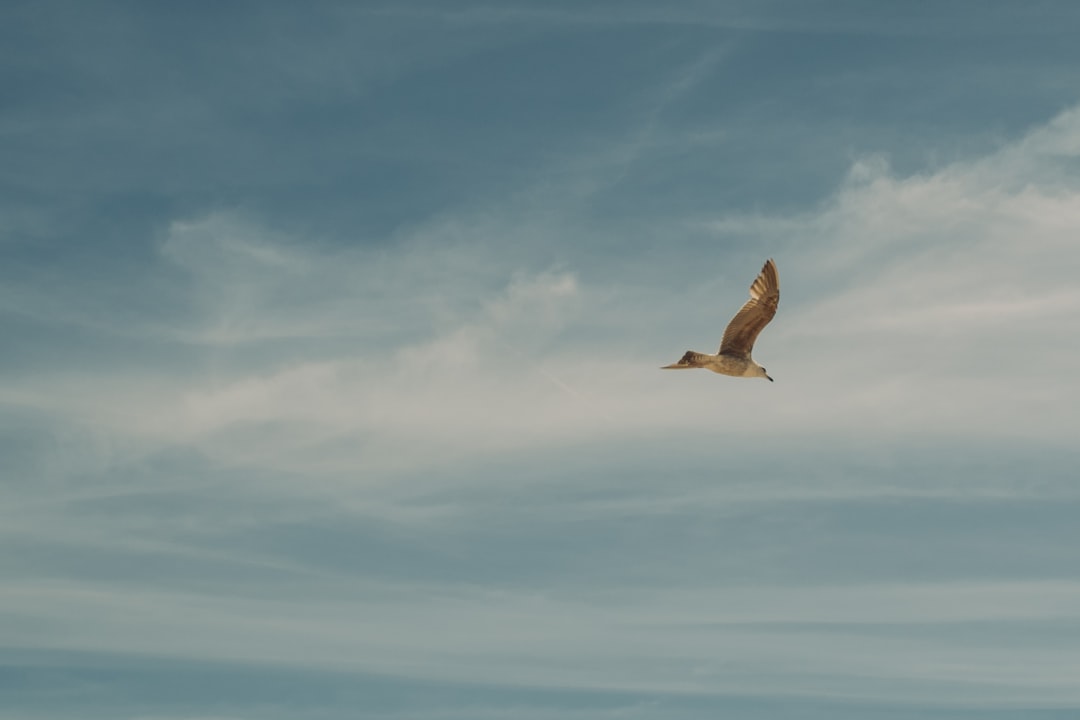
(329, 387)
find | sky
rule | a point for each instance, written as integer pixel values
(329, 377)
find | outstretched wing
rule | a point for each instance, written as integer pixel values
(744, 328)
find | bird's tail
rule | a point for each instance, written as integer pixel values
(690, 360)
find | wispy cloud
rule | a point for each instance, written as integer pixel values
(432, 442)
(462, 634)
(908, 303)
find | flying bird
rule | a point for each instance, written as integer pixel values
(734, 356)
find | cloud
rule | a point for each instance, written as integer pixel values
(946, 296)
(707, 641)
(937, 304)
(415, 421)
(344, 370)
(912, 304)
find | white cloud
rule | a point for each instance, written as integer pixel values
(947, 299)
(373, 383)
(941, 304)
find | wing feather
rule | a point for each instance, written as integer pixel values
(744, 328)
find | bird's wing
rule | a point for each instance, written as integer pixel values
(744, 328)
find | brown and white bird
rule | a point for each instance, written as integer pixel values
(734, 356)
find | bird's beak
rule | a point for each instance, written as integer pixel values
(770, 379)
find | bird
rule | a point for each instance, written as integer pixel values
(733, 357)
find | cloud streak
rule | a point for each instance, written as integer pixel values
(910, 305)
(464, 634)
(385, 401)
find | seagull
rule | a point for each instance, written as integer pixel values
(734, 356)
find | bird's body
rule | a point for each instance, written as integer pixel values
(734, 355)
(723, 364)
